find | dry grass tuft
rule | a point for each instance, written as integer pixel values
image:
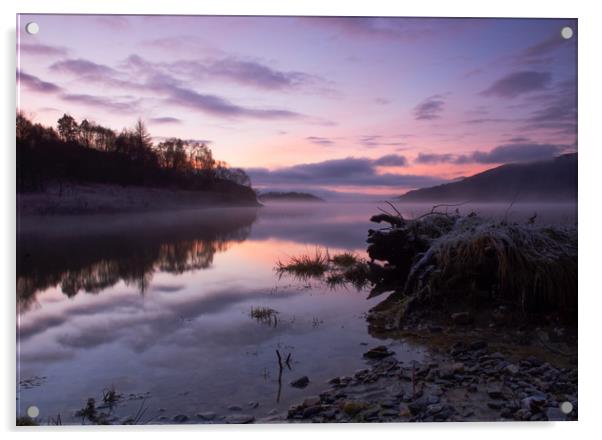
(306, 266)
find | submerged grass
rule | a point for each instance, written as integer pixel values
(306, 266)
(265, 315)
(345, 259)
(337, 270)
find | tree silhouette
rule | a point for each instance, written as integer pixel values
(86, 133)
(68, 128)
(88, 152)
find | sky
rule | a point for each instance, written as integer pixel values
(339, 106)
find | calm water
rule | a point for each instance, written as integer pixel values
(158, 306)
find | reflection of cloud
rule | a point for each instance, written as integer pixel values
(518, 83)
(158, 323)
(167, 288)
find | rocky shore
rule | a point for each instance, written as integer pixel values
(469, 382)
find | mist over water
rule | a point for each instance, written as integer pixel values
(158, 305)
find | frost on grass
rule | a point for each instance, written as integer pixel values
(440, 259)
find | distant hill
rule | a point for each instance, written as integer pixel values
(550, 180)
(291, 196)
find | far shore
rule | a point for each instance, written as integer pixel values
(74, 199)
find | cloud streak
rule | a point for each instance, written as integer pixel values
(518, 83)
(111, 104)
(42, 49)
(36, 84)
(165, 120)
(507, 153)
(149, 77)
(347, 172)
(429, 109)
(82, 67)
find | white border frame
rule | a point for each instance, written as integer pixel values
(590, 74)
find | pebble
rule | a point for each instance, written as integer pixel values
(302, 382)
(379, 352)
(180, 418)
(206, 416)
(238, 419)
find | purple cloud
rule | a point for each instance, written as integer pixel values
(218, 106)
(434, 158)
(256, 74)
(508, 153)
(430, 108)
(42, 49)
(162, 83)
(320, 140)
(518, 83)
(82, 67)
(550, 44)
(395, 28)
(165, 120)
(114, 22)
(36, 84)
(375, 140)
(518, 153)
(351, 171)
(486, 120)
(557, 111)
(391, 160)
(101, 102)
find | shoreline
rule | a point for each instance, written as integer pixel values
(472, 380)
(89, 199)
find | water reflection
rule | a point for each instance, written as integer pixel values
(92, 254)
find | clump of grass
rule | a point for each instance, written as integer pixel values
(468, 259)
(26, 421)
(345, 259)
(306, 266)
(265, 315)
(88, 412)
(337, 270)
(110, 397)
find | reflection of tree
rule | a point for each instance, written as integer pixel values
(93, 263)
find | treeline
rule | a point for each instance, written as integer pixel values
(88, 152)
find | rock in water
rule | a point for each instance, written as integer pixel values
(379, 352)
(180, 418)
(311, 401)
(302, 382)
(207, 416)
(239, 419)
